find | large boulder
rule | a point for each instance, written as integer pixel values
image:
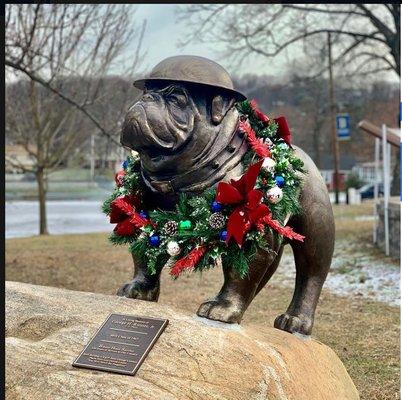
(46, 328)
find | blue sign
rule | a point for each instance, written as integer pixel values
(343, 126)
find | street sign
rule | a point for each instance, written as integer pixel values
(343, 126)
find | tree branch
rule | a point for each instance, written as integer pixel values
(320, 10)
(72, 102)
(382, 28)
(306, 35)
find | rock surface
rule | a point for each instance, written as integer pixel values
(46, 329)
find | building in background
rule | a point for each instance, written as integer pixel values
(346, 164)
(17, 155)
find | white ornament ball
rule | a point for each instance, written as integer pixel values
(274, 195)
(173, 248)
(135, 154)
(269, 142)
(268, 164)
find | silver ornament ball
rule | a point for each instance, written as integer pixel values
(173, 248)
(268, 164)
(274, 195)
(269, 142)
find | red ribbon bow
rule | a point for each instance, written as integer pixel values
(283, 127)
(124, 215)
(283, 130)
(258, 113)
(249, 209)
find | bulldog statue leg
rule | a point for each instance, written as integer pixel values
(237, 293)
(270, 270)
(313, 256)
(144, 286)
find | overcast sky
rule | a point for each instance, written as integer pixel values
(164, 30)
(161, 39)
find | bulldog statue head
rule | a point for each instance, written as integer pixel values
(184, 125)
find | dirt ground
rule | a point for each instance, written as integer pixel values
(364, 333)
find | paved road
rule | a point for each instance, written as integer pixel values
(73, 216)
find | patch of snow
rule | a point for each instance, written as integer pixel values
(305, 338)
(353, 274)
(365, 218)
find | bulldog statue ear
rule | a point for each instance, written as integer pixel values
(219, 107)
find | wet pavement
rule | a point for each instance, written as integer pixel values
(73, 216)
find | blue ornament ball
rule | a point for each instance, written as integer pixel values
(144, 214)
(216, 207)
(125, 164)
(223, 235)
(154, 240)
(279, 180)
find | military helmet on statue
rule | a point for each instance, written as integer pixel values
(194, 70)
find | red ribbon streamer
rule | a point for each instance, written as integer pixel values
(122, 213)
(189, 261)
(285, 231)
(260, 148)
(249, 208)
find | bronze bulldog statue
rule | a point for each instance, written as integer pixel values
(184, 128)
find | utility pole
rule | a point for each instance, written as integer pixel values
(92, 165)
(335, 143)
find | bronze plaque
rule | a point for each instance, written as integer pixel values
(121, 344)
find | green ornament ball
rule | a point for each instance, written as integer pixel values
(147, 229)
(185, 225)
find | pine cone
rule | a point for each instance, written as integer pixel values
(170, 228)
(217, 220)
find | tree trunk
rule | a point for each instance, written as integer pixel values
(42, 189)
(316, 146)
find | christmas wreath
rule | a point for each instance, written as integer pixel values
(227, 224)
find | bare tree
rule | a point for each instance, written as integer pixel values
(46, 42)
(50, 44)
(313, 104)
(45, 129)
(366, 37)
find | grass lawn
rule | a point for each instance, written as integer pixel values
(365, 334)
